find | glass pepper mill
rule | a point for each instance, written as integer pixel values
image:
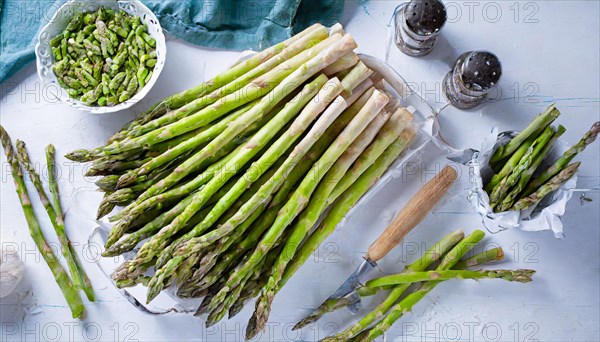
(474, 75)
(418, 24)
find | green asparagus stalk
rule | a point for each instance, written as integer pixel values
(57, 221)
(550, 186)
(53, 185)
(513, 194)
(308, 218)
(537, 125)
(565, 159)
(389, 133)
(431, 255)
(522, 276)
(507, 183)
(492, 254)
(107, 166)
(319, 33)
(60, 275)
(301, 196)
(394, 311)
(180, 99)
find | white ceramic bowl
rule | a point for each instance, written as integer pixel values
(45, 59)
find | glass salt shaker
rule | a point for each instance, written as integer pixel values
(474, 75)
(418, 24)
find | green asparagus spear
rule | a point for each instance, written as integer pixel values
(53, 185)
(60, 275)
(551, 185)
(521, 276)
(554, 169)
(57, 221)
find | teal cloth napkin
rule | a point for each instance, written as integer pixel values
(226, 24)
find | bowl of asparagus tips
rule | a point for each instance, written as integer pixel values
(528, 166)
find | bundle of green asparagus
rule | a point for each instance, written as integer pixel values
(518, 182)
(449, 251)
(223, 183)
(78, 279)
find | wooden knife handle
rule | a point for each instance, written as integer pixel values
(413, 213)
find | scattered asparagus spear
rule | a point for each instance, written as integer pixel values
(53, 185)
(394, 312)
(409, 301)
(57, 221)
(522, 276)
(431, 255)
(60, 275)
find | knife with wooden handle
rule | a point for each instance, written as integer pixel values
(409, 217)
